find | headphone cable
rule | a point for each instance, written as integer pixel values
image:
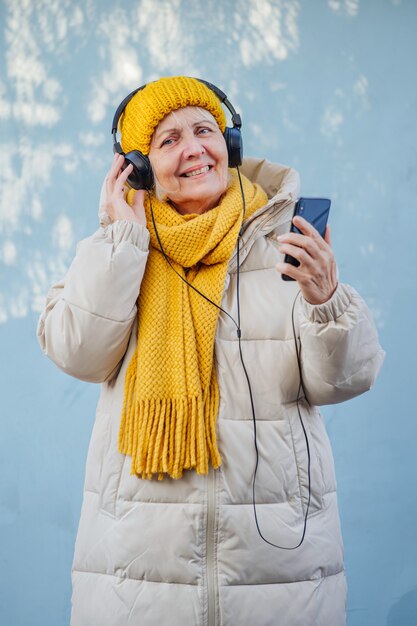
(301, 386)
(239, 336)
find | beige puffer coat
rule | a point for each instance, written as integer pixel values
(187, 552)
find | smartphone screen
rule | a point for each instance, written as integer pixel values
(315, 211)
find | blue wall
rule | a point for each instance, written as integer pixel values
(325, 86)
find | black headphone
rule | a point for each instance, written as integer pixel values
(142, 176)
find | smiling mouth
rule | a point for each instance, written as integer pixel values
(201, 170)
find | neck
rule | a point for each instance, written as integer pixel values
(195, 207)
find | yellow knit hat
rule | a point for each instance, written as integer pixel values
(152, 103)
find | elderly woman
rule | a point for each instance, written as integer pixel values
(175, 305)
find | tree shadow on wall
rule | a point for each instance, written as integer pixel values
(404, 612)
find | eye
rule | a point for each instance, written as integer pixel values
(167, 142)
(203, 130)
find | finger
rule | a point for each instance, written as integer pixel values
(298, 253)
(121, 179)
(139, 199)
(138, 205)
(116, 166)
(290, 270)
(327, 238)
(113, 173)
(311, 232)
(306, 228)
(303, 241)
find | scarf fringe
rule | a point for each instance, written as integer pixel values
(168, 435)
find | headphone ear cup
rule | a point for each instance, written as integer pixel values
(141, 176)
(234, 143)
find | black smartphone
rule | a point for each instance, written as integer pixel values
(315, 211)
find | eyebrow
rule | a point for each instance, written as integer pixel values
(172, 130)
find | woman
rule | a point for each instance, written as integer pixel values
(138, 312)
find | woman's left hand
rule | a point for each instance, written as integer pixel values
(316, 274)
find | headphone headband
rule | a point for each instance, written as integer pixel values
(236, 119)
(122, 107)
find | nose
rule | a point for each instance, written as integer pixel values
(192, 146)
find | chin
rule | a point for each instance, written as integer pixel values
(196, 196)
(205, 199)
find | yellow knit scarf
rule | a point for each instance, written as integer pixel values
(171, 396)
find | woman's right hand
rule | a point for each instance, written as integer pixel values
(115, 204)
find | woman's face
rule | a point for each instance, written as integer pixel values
(189, 160)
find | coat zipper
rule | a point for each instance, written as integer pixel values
(210, 556)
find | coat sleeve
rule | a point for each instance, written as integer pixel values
(86, 324)
(340, 351)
